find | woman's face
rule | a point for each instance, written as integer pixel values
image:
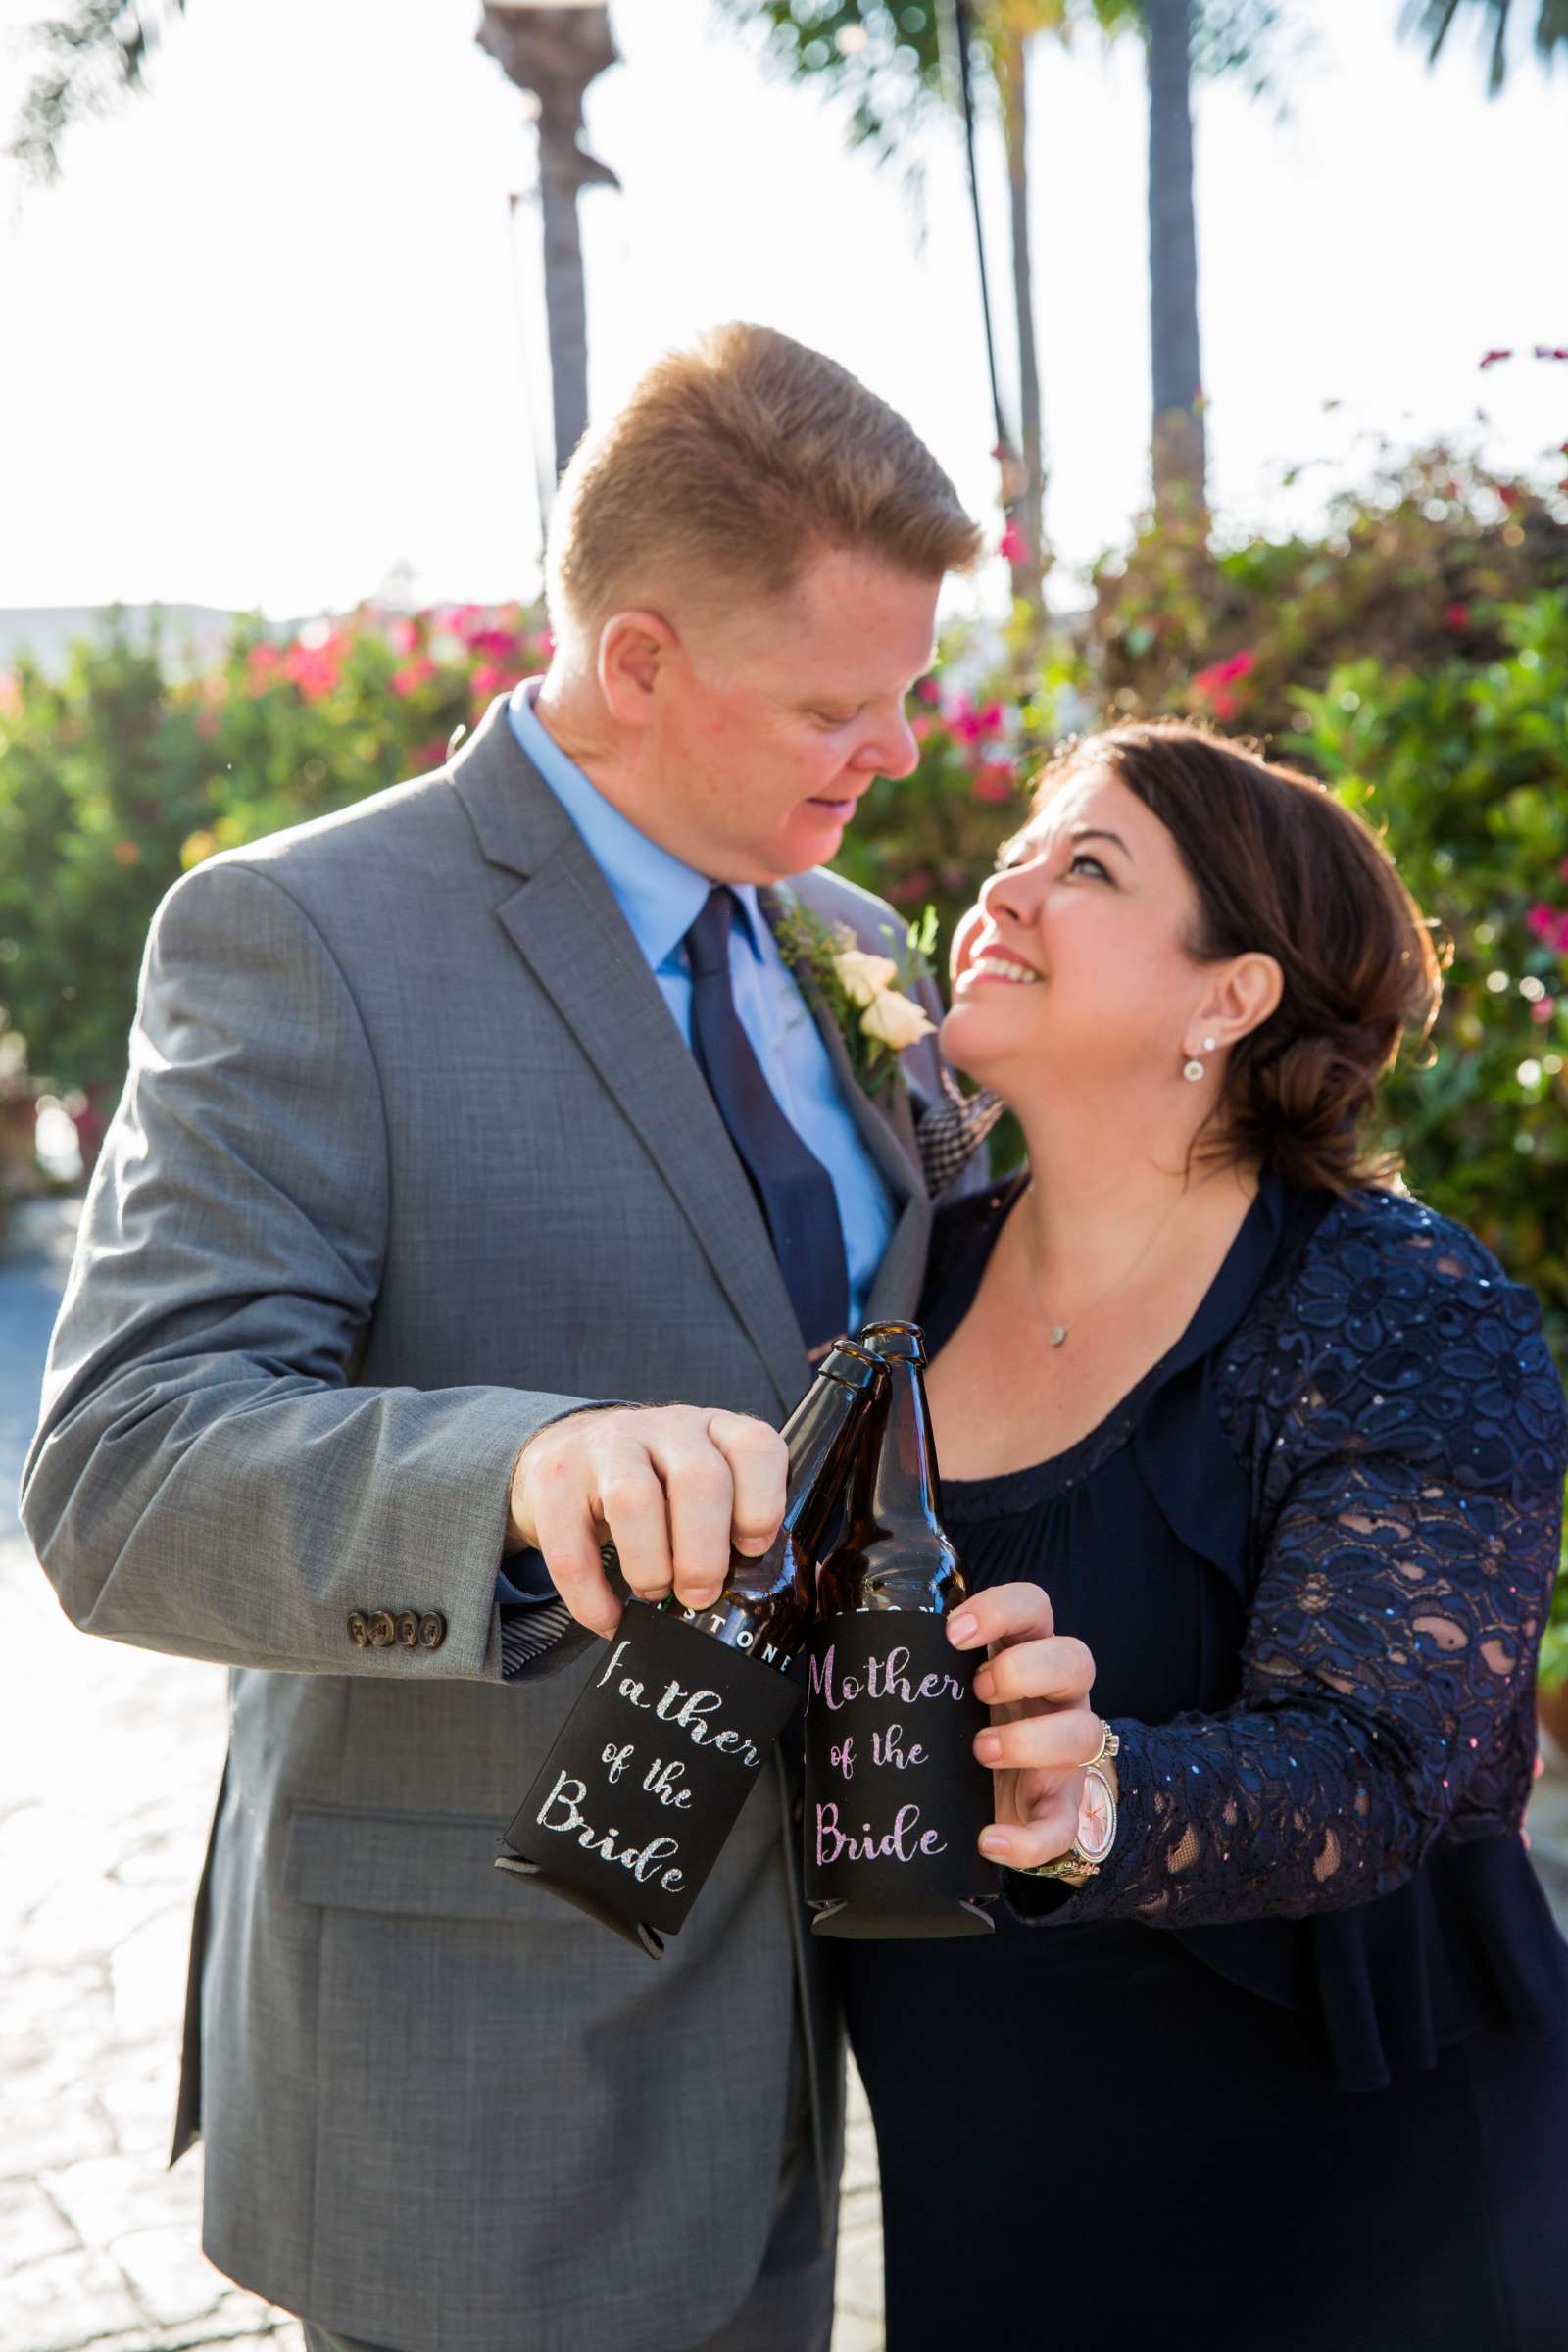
(1072, 967)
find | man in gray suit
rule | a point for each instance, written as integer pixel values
(454, 1129)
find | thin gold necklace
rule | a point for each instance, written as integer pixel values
(1059, 1333)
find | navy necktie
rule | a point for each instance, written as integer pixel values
(792, 1188)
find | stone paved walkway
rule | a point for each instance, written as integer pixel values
(108, 1765)
(109, 1762)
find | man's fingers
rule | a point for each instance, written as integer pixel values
(759, 1466)
(1002, 1614)
(1057, 1668)
(701, 1498)
(565, 1534)
(630, 1502)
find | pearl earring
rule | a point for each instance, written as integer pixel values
(1209, 1044)
(1192, 1069)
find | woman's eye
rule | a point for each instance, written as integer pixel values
(1083, 859)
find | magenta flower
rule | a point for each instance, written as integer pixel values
(412, 675)
(993, 783)
(1014, 546)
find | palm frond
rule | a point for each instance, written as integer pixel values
(90, 61)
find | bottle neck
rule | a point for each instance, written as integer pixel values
(905, 1488)
(818, 1436)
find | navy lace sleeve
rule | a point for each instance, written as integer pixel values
(1406, 1434)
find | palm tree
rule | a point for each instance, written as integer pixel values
(95, 54)
(888, 67)
(1432, 20)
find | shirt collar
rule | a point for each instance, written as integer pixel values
(659, 894)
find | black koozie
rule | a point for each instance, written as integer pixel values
(649, 1774)
(895, 1796)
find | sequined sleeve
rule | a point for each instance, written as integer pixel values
(1406, 1433)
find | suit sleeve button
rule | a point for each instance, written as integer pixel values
(407, 1629)
(432, 1629)
(383, 1628)
(359, 1631)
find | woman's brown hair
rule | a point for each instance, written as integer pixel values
(1281, 866)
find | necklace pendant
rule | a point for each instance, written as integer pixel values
(1058, 1332)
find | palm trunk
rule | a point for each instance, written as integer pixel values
(1179, 450)
(555, 52)
(1029, 567)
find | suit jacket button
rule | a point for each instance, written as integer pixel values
(432, 1629)
(383, 1628)
(407, 1629)
(359, 1631)
(797, 1809)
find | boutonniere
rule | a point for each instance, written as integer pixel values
(866, 994)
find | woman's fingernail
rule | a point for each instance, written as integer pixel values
(962, 1631)
(988, 1746)
(984, 1682)
(995, 1843)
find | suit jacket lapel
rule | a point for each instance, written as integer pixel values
(886, 1125)
(564, 922)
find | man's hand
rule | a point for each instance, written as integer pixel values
(673, 1487)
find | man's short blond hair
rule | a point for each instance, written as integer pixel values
(730, 467)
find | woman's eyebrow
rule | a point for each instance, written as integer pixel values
(1099, 833)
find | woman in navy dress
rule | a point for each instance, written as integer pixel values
(1256, 1468)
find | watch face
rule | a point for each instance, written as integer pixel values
(1096, 1816)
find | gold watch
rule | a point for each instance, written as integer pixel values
(1097, 1821)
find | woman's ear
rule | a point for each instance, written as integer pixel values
(633, 648)
(1241, 996)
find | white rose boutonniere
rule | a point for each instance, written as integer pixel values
(866, 994)
(865, 977)
(895, 1021)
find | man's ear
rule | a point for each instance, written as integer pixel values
(1240, 999)
(633, 649)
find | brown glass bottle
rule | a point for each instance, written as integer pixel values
(895, 1852)
(631, 1807)
(768, 1600)
(894, 1553)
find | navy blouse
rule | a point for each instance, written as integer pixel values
(1358, 1447)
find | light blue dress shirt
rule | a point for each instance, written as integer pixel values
(662, 897)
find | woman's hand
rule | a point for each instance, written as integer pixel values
(1036, 1682)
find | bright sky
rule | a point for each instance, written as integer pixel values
(273, 333)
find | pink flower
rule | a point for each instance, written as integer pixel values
(263, 663)
(1490, 359)
(920, 728)
(929, 691)
(402, 635)
(970, 725)
(314, 668)
(494, 645)
(1563, 870)
(1014, 546)
(1543, 922)
(1458, 617)
(430, 755)
(993, 783)
(490, 678)
(1214, 685)
(412, 675)
(1541, 1010)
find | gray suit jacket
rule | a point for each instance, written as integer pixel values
(411, 1157)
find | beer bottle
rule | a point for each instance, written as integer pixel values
(895, 1796)
(768, 1602)
(631, 1807)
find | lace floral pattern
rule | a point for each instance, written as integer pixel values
(1405, 1434)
